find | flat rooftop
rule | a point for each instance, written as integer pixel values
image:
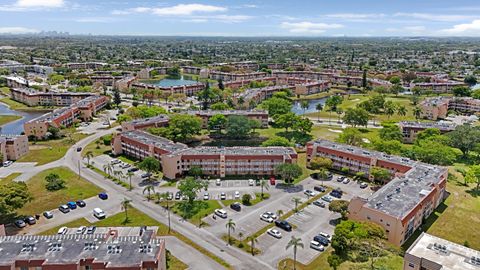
(237, 150)
(123, 250)
(399, 196)
(439, 125)
(155, 119)
(228, 112)
(450, 255)
(33, 92)
(52, 115)
(150, 139)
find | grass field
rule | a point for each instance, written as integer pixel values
(76, 188)
(5, 119)
(320, 95)
(14, 105)
(9, 178)
(44, 152)
(138, 218)
(97, 148)
(204, 209)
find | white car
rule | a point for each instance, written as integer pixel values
(7, 163)
(363, 185)
(309, 193)
(266, 218)
(271, 214)
(275, 233)
(223, 196)
(219, 182)
(221, 213)
(251, 182)
(237, 195)
(81, 229)
(62, 230)
(206, 196)
(98, 213)
(316, 245)
(327, 198)
(326, 235)
(115, 161)
(346, 180)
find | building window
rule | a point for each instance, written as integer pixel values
(368, 218)
(23, 268)
(88, 267)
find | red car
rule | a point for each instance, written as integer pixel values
(272, 181)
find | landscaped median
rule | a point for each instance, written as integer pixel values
(138, 218)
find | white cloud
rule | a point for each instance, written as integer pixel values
(177, 10)
(39, 3)
(95, 20)
(434, 17)
(409, 30)
(358, 17)
(17, 30)
(308, 27)
(467, 29)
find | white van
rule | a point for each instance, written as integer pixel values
(221, 213)
(98, 213)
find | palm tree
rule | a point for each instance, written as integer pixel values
(166, 197)
(230, 227)
(126, 203)
(149, 189)
(304, 105)
(296, 201)
(319, 108)
(416, 112)
(252, 240)
(89, 155)
(339, 112)
(279, 213)
(401, 110)
(323, 174)
(129, 175)
(118, 174)
(108, 168)
(295, 243)
(263, 185)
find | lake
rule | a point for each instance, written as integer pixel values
(312, 104)
(172, 82)
(16, 127)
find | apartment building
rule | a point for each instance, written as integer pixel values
(140, 144)
(429, 252)
(16, 67)
(20, 82)
(84, 109)
(310, 88)
(245, 65)
(242, 83)
(225, 76)
(144, 123)
(13, 147)
(402, 204)
(86, 65)
(105, 250)
(438, 107)
(191, 70)
(32, 97)
(257, 115)
(257, 95)
(410, 129)
(177, 159)
(226, 161)
(441, 86)
(188, 90)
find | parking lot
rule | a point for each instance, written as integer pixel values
(98, 122)
(100, 161)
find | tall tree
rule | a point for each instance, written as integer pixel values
(230, 225)
(150, 165)
(166, 197)
(253, 240)
(356, 117)
(294, 243)
(117, 100)
(304, 105)
(149, 189)
(319, 108)
(288, 171)
(263, 185)
(126, 204)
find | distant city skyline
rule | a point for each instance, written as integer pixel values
(321, 18)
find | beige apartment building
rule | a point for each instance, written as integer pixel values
(13, 147)
(402, 204)
(438, 107)
(429, 252)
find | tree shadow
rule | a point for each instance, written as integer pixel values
(126, 221)
(474, 192)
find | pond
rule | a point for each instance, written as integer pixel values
(172, 82)
(312, 104)
(16, 127)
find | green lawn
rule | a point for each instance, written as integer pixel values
(44, 152)
(14, 105)
(203, 209)
(138, 218)
(76, 188)
(4, 119)
(9, 178)
(320, 95)
(97, 148)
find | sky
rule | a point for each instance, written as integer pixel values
(316, 18)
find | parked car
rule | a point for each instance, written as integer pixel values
(319, 188)
(237, 195)
(251, 182)
(337, 193)
(79, 149)
(223, 196)
(236, 206)
(274, 232)
(7, 163)
(62, 230)
(98, 213)
(266, 218)
(346, 180)
(132, 169)
(206, 196)
(64, 208)
(319, 203)
(115, 161)
(322, 240)
(363, 185)
(91, 229)
(327, 198)
(48, 214)
(271, 214)
(340, 178)
(103, 196)
(221, 213)
(218, 182)
(81, 203)
(146, 175)
(309, 193)
(81, 230)
(20, 223)
(125, 165)
(30, 220)
(284, 225)
(316, 245)
(178, 195)
(326, 235)
(72, 205)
